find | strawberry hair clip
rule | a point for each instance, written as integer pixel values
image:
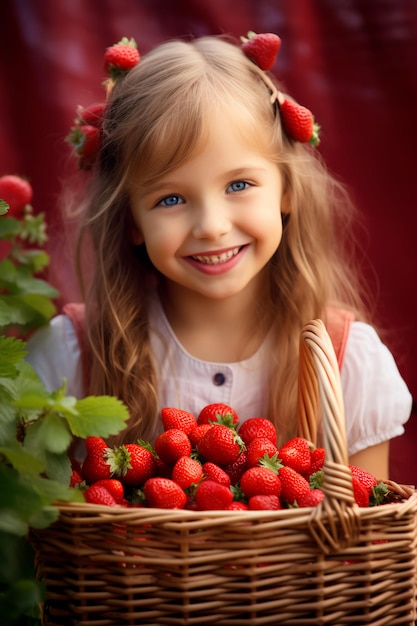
(85, 135)
(297, 120)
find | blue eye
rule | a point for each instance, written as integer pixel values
(238, 185)
(171, 201)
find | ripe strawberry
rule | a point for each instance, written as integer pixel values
(137, 464)
(91, 115)
(176, 418)
(198, 433)
(164, 493)
(237, 506)
(296, 453)
(298, 122)
(264, 503)
(360, 492)
(99, 461)
(172, 444)
(85, 140)
(312, 498)
(121, 57)
(76, 478)
(294, 486)
(17, 192)
(211, 471)
(365, 478)
(257, 427)
(236, 469)
(258, 448)
(114, 487)
(219, 413)
(211, 496)
(262, 49)
(99, 495)
(260, 481)
(186, 472)
(318, 456)
(220, 445)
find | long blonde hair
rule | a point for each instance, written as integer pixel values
(154, 119)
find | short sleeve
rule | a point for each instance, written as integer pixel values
(377, 400)
(54, 353)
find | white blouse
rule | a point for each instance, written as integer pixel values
(377, 401)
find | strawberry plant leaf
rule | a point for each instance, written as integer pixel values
(100, 416)
(12, 352)
(22, 461)
(4, 207)
(9, 228)
(50, 434)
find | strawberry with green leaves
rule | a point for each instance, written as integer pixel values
(218, 413)
(187, 472)
(17, 192)
(261, 48)
(121, 58)
(99, 461)
(294, 485)
(220, 445)
(258, 449)
(298, 122)
(212, 496)
(164, 493)
(258, 481)
(136, 464)
(85, 141)
(177, 418)
(257, 427)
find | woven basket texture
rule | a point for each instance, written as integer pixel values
(332, 564)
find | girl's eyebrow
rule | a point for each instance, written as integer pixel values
(160, 185)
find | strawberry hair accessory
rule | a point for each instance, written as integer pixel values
(86, 134)
(298, 121)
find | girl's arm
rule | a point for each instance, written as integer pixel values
(374, 460)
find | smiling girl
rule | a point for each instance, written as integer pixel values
(216, 236)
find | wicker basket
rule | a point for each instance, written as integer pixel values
(333, 564)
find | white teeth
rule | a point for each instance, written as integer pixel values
(217, 258)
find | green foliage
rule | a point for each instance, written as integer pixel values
(36, 426)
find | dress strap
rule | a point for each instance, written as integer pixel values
(338, 322)
(76, 312)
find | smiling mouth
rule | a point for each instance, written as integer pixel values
(216, 259)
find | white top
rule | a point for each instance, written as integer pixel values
(377, 401)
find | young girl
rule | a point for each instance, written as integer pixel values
(216, 236)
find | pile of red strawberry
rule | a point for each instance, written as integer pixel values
(212, 463)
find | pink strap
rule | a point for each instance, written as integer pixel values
(338, 323)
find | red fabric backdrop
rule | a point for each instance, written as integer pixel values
(353, 63)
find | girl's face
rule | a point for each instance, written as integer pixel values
(212, 224)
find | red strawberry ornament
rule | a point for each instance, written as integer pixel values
(298, 122)
(91, 115)
(121, 57)
(261, 48)
(85, 140)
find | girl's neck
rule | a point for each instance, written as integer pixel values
(223, 330)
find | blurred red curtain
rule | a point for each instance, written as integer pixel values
(353, 63)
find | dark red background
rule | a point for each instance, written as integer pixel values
(353, 62)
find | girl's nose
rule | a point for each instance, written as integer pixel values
(211, 222)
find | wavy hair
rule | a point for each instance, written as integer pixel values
(154, 119)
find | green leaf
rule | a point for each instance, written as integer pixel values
(8, 274)
(25, 463)
(12, 351)
(98, 416)
(35, 260)
(52, 491)
(18, 599)
(4, 207)
(49, 434)
(18, 501)
(58, 467)
(26, 283)
(44, 517)
(9, 227)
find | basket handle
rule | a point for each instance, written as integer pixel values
(335, 522)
